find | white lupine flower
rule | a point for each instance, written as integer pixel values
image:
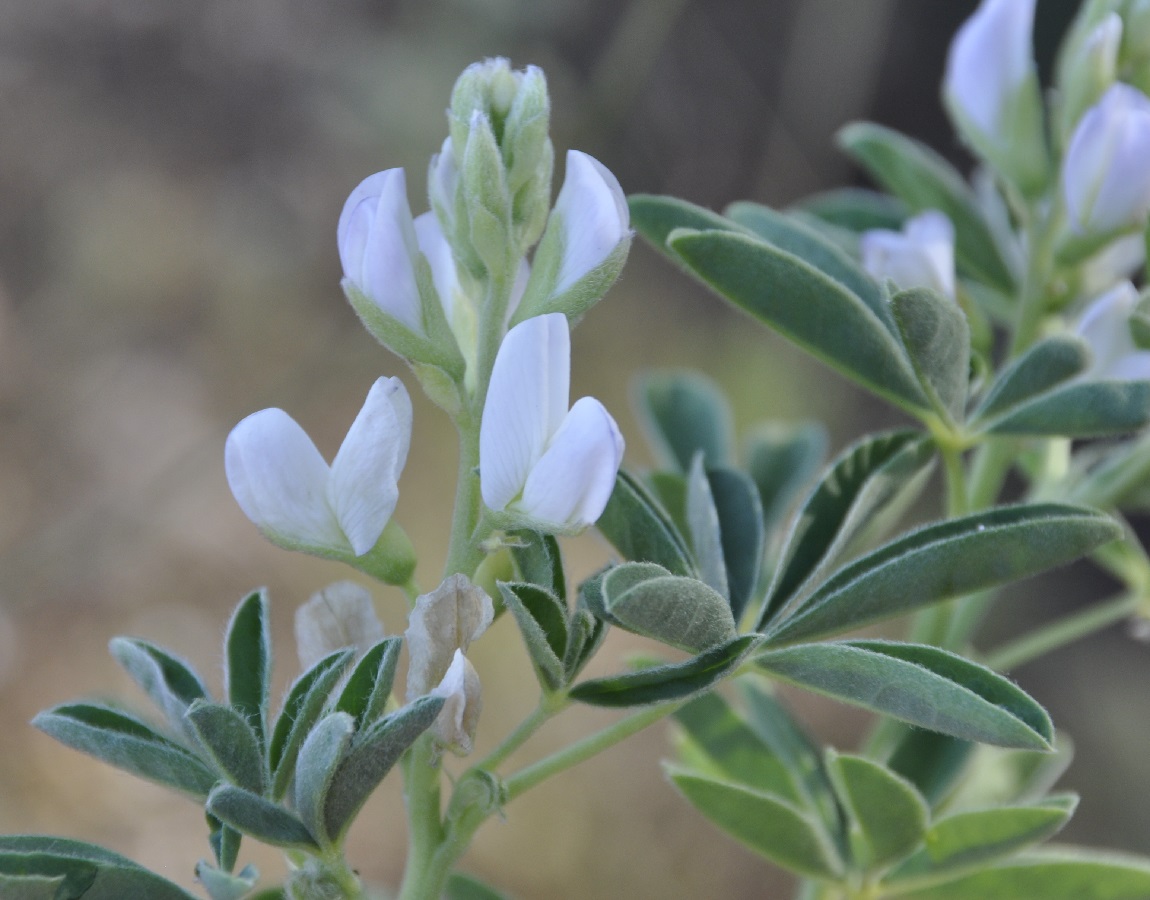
(458, 720)
(377, 246)
(990, 59)
(921, 255)
(1105, 326)
(341, 615)
(537, 458)
(285, 487)
(1105, 176)
(592, 211)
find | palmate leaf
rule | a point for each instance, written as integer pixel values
(936, 335)
(230, 743)
(946, 560)
(1047, 364)
(262, 819)
(922, 685)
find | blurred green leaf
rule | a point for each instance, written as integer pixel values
(782, 460)
(674, 681)
(766, 824)
(736, 501)
(464, 887)
(655, 217)
(1048, 363)
(944, 560)
(888, 817)
(685, 412)
(170, 682)
(640, 529)
(919, 684)
(221, 885)
(35, 887)
(923, 180)
(127, 743)
(937, 338)
(248, 657)
(856, 209)
(703, 528)
(259, 818)
(863, 479)
(806, 306)
(230, 742)
(932, 762)
(542, 620)
(1081, 410)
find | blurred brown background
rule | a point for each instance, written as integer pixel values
(170, 178)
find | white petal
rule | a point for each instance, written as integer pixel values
(989, 59)
(593, 210)
(280, 481)
(434, 246)
(573, 481)
(377, 245)
(442, 178)
(363, 488)
(341, 615)
(526, 401)
(443, 621)
(458, 719)
(1105, 326)
(920, 256)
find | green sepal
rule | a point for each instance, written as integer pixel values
(367, 761)
(923, 180)
(259, 818)
(766, 824)
(88, 871)
(368, 688)
(301, 710)
(964, 841)
(1047, 364)
(539, 561)
(248, 662)
(127, 743)
(675, 681)
(169, 681)
(945, 560)
(887, 817)
(919, 684)
(685, 412)
(806, 306)
(862, 480)
(230, 743)
(782, 460)
(542, 620)
(636, 526)
(401, 340)
(937, 338)
(787, 234)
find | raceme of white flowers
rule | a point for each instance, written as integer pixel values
(1105, 326)
(921, 255)
(552, 466)
(1105, 178)
(285, 487)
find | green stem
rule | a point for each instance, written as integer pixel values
(590, 746)
(1062, 632)
(425, 827)
(546, 709)
(465, 552)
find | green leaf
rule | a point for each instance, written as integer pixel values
(221, 885)
(792, 236)
(1081, 410)
(225, 842)
(684, 413)
(321, 754)
(1000, 777)
(253, 815)
(464, 887)
(924, 180)
(301, 710)
(126, 743)
(932, 762)
(804, 305)
(85, 870)
(782, 460)
(974, 839)
(922, 685)
(370, 757)
(863, 479)
(703, 527)
(856, 209)
(733, 749)
(937, 338)
(539, 561)
(945, 560)
(736, 500)
(587, 632)
(768, 825)
(681, 612)
(34, 887)
(170, 682)
(248, 656)
(1054, 874)
(674, 681)
(640, 530)
(368, 689)
(655, 217)
(542, 620)
(1043, 367)
(888, 817)
(230, 742)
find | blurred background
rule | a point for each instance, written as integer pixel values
(170, 179)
